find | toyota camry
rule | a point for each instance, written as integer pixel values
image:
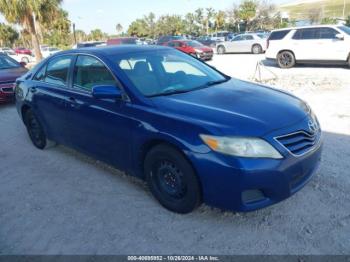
(191, 132)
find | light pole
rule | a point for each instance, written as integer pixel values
(344, 9)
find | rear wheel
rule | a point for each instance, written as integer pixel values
(257, 49)
(172, 179)
(221, 50)
(35, 130)
(286, 59)
(25, 60)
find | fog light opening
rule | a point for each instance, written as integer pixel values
(250, 196)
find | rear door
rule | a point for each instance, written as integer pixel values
(307, 45)
(49, 97)
(98, 127)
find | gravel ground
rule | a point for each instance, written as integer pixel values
(60, 202)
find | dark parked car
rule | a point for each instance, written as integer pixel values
(122, 41)
(10, 70)
(193, 48)
(193, 133)
(207, 41)
(167, 38)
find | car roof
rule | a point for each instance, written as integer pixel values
(115, 50)
(303, 27)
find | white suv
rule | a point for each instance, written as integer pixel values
(328, 44)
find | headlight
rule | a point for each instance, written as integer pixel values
(241, 146)
(198, 50)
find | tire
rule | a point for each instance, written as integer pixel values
(286, 59)
(25, 59)
(257, 49)
(35, 130)
(172, 179)
(221, 50)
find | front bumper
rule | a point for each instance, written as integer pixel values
(244, 184)
(7, 93)
(205, 55)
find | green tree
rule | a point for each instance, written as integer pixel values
(199, 19)
(170, 25)
(119, 28)
(96, 35)
(220, 20)
(25, 12)
(57, 32)
(348, 21)
(247, 11)
(8, 35)
(138, 28)
(210, 15)
(329, 21)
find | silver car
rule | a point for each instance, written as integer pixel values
(244, 43)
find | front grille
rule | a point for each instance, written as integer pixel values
(299, 143)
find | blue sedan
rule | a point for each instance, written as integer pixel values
(191, 132)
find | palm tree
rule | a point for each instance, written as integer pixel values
(119, 28)
(210, 14)
(26, 13)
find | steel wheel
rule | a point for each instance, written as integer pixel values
(35, 130)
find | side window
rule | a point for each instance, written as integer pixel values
(57, 70)
(278, 35)
(328, 33)
(238, 38)
(307, 34)
(40, 75)
(248, 37)
(89, 72)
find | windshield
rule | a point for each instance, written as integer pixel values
(166, 72)
(194, 43)
(7, 62)
(345, 29)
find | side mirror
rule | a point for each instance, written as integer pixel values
(339, 36)
(23, 64)
(106, 91)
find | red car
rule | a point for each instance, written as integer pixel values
(22, 50)
(10, 70)
(193, 48)
(122, 41)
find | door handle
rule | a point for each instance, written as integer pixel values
(73, 102)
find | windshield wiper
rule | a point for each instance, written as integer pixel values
(170, 92)
(211, 83)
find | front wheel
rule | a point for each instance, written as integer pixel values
(286, 59)
(221, 50)
(172, 179)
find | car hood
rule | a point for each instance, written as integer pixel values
(236, 108)
(10, 75)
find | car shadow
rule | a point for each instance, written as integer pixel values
(271, 63)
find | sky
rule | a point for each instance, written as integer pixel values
(106, 14)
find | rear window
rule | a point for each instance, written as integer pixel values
(278, 35)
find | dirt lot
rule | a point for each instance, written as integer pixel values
(60, 202)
